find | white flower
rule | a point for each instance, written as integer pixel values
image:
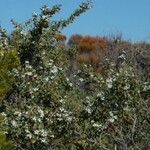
(111, 114)
(113, 117)
(59, 119)
(60, 68)
(69, 118)
(34, 119)
(1, 53)
(97, 125)
(14, 123)
(81, 79)
(126, 109)
(41, 113)
(85, 65)
(109, 82)
(62, 109)
(101, 95)
(43, 53)
(111, 120)
(23, 33)
(28, 66)
(88, 110)
(44, 133)
(36, 132)
(23, 76)
(61, 100)
(15, 71)
(35, 89)
(43, 140)
(27, 131)
(51, 61)
(92, 75)
(70, 84)
(26, 62)
(34, 14)
(54, 69)
(52, 77)
(109, 85)
(39, 119)
(46, 79)
(29, 73)
(17, 113)
(146, 87)
(3, 114)
(92, 121)
(122, 56)
(127, 87)
(32, 96)
(29, 135)
(50, 64)
(44, 17)
(52, 136)
(87, 97)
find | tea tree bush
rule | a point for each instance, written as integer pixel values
(60, 117)
(116, 111)
(38, 35)
(4, 143)
(37, 115)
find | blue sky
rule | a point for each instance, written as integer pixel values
(129, 17)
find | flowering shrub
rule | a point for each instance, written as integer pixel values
(4, 143)
(48, 112)
(37, 106)
(116, 110)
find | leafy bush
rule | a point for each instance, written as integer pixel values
(116, 112)
(47, 111)
(8, 60)
(41, 85)
(4, 144)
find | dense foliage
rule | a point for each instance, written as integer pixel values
(50, 102)
(4, 143)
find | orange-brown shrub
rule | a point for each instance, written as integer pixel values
(90, 49)
(89, 43)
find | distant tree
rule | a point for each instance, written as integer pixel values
(89, 43)
(74, 40)
(91, 50)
